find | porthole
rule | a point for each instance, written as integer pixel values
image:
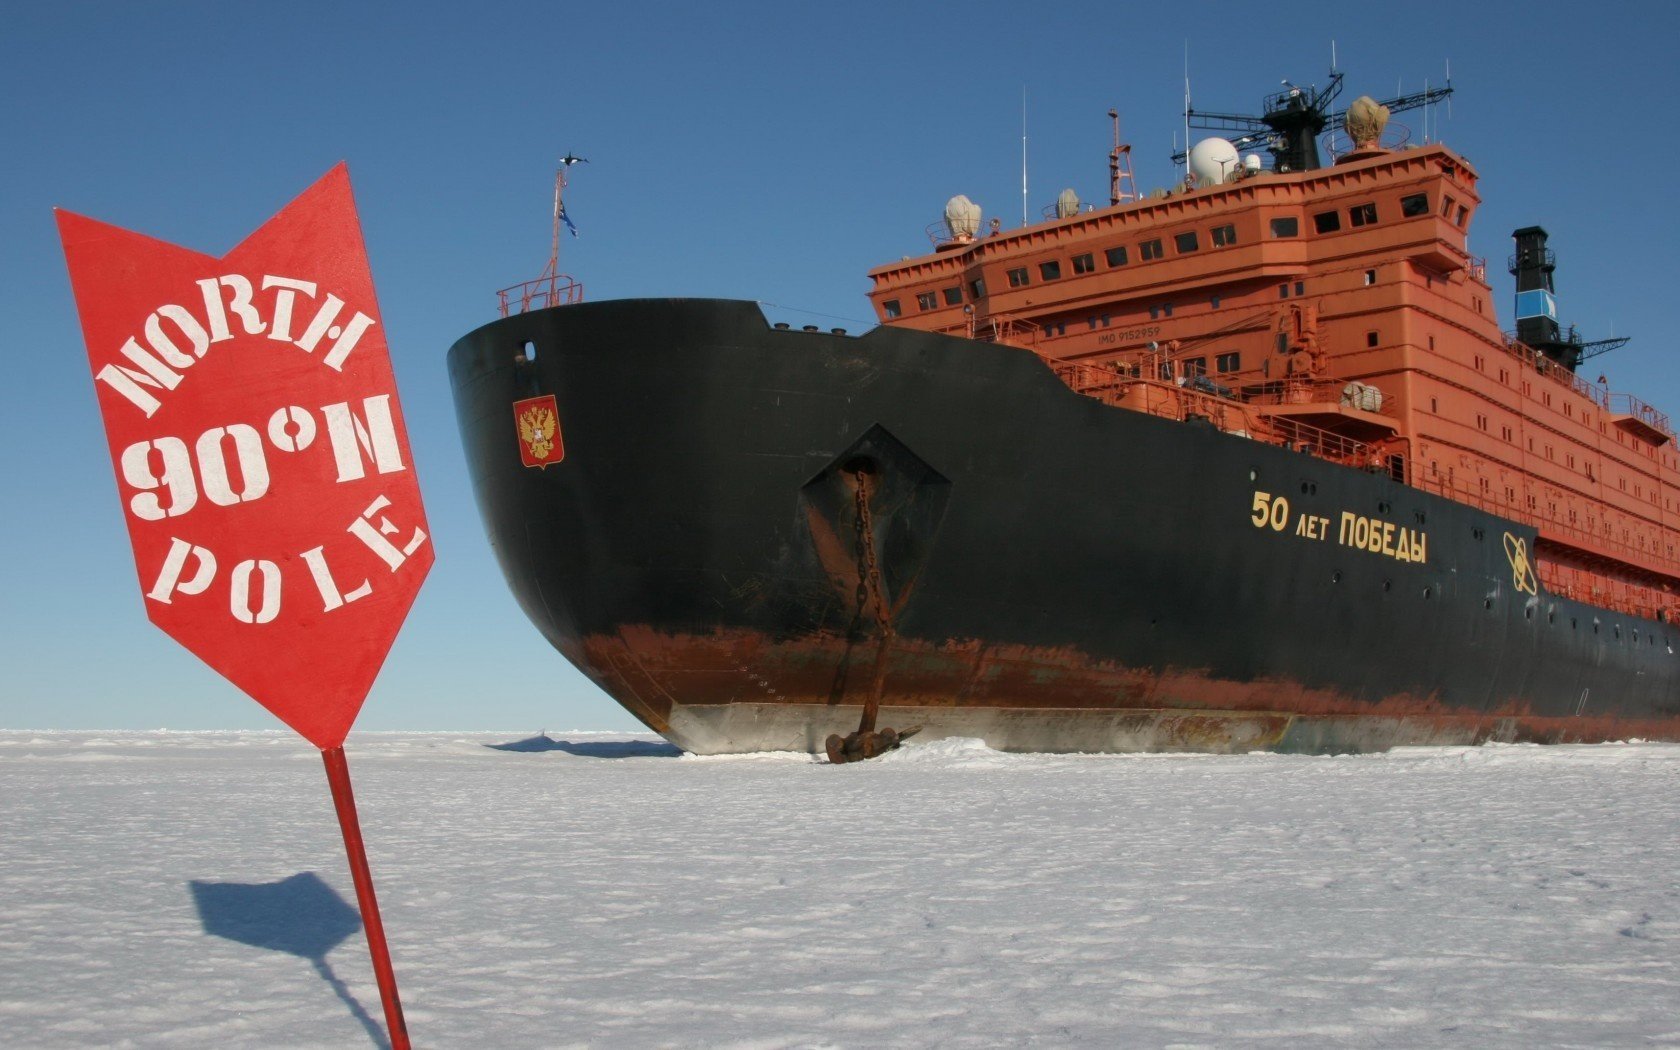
(1336, 577)
(1528, 612)
(1383, 507)
(1388, 585)
(1254, 475)
(529, 351)
(1428, 593)
(1476, 533)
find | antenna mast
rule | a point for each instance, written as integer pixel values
(1023, 155)
(1121, 185)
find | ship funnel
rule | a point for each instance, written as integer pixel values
(1532, 264)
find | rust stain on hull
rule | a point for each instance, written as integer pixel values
(664, 678)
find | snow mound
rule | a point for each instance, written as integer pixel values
(954, 750)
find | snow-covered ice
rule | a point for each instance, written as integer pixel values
(607, 892)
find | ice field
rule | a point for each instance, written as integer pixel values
(190, 890)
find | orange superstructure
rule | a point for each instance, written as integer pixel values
(1337, 310)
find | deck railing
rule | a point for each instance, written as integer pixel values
(557, 290)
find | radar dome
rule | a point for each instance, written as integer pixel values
(962, 217)
(1212, 161)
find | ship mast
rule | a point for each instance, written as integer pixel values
(551, 288)
(1121, 185)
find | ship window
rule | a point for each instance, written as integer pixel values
(1195, 366)
(1433, 407)
(1363, 214)
(1224, 236)
(1370, 339)
(1288, 226)
(1105, 320)
(890, 308)
(1115, 256)
(1463, 215)
(1186, 242)
(530, 351)
(1166, 309)
(1150, 250)
(1154, 313)
(1084, 263)
(1370, 277)
(953, 295)
(1300, 288)
(1231, 362)
(977, 288)
(1446, 207)
(1327, 221)
(1213, 301)
(1414, 205)
(1018, 277)
(926, 301)
(1050, 270)
(1091, 322)
(1283, 291)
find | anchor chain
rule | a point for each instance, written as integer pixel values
(868, 742)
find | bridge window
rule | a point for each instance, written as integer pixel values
(1363, 214)
(1050, 270)
(1150, 250)
(953, 295)
(1115, 256)
(891, 309)
(1186, 242)
(977, 288)
(1018, 277)
(1231, 362)
(1224, 236)
(1084, 263)
(1287, 226)
(1414, 205)
(926, 301)
(1327, 221)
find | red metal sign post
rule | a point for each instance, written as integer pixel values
(263, 466)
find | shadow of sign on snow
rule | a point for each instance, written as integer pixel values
(299, 915)
(592, 748)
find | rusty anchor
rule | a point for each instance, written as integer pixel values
(868, 742)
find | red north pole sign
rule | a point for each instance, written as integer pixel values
(259, 450)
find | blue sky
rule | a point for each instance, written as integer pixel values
(758, 151)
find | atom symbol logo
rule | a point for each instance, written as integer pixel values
(1522, 574)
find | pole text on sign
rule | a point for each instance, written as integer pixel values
(1373, 535)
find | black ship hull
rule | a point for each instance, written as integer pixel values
(1049, 573)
